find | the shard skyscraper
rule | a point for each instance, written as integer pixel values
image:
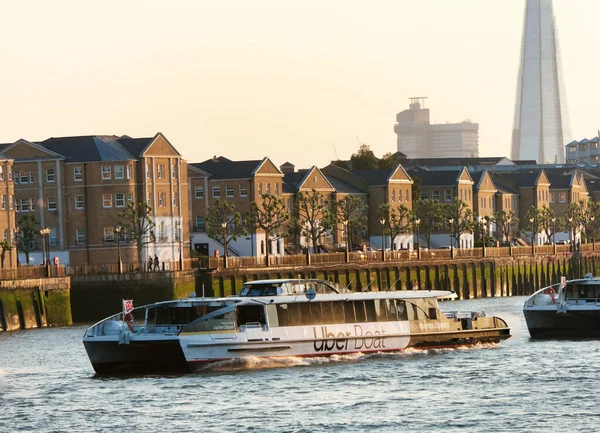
(541, 127)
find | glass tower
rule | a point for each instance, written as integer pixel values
(541, 126)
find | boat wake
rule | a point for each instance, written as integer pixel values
(2, 382)
(255, 363)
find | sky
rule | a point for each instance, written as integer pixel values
(299, 81)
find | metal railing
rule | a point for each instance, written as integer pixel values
(39, 271)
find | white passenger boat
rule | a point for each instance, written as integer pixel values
(569, 309)
(277, 318)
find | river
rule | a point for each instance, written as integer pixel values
(48, 385)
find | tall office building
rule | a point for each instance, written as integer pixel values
(419, 138)
(541, 126)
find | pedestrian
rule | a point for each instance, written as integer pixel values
(150, 261)
(156, 263)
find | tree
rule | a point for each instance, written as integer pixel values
(416, 189)
(484, 230)
(225, 224)
(532, 222)
(364, 159)
(592, 220)
(350, 210)
(314, 216)
(5, 246)
(575, 219)
(398, 219)
(547, 222)
(137, 222)
(28, 232)
(506, 223)
(458, 219)
(429, 212)
(270, 217)
(387, 161)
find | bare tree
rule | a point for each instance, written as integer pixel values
(351, 212)
(28, 231)
(270, 216)
(398, 219)
(429, 212)
(136, 221)
(5, 246)
(458, 219)
(314, 215)
(506, 222)
(225, 224)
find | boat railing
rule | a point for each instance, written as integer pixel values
(457, 315)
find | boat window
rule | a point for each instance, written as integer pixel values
(349, 312)
(370, 309)
(321, 287)
(250, 314)
(262, 289)
(338, 312)
(401, 310)
(432, 313)
(220, 322)
(316, 314)
(165, 315)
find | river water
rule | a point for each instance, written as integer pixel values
(48, 385)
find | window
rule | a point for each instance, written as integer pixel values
(77, 174)
(11, 201)
(243, 190)
(109, 235)
(51, 203)
(260, 189)
(107, 200)
(469, 193)
(3, 202)
(129, 198)
(149, 199)
(52, 238)
(199, 192)
(5, 235)
(461, 194)
(162, 234)
(268, 188)
(79, 202)
(448, 195)
(106, 172)
(80, 236)
(160, 171)
(120, 200)
(149, 171)
(1, 172)
(174, 171)
(175, 199)
(229, 191)
(393, 196)
(277, 189)
(289, 204)
(161, 199)
(24, 176)
(25, 205)
(406, 196)
(424, 195)
(436, 195)
(10, 175)
(216, 191)
(562, 197)
(119, 172)
(199, 224)
(129, 171)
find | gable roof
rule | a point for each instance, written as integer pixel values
(436, 178)
(377, 177)
(223, 168)
(292, 182)
(89, 148)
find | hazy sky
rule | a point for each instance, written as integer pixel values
(292, 80)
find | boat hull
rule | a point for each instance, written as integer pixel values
(321, 348)
(571, 324)
(137, 357)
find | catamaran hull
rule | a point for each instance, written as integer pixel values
(571, 324)
(199, 357)
(137, 357)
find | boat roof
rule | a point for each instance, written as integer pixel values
(321, 297)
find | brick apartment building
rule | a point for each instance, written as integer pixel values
(7, 211)
(77, 186)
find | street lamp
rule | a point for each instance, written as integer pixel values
(118, 230)
(570, 219)
(180, 239)
(345, 225)
(451, 222)
(382, 222)
(417, 224)
(17, 230)
(45, 232)
(592, 218)
(531, 220)
(224, 226)
(554, 234)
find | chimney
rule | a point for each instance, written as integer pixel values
(287, 168)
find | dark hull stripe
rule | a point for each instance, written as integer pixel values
(573, 324)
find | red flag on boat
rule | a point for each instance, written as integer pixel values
(127, 305)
